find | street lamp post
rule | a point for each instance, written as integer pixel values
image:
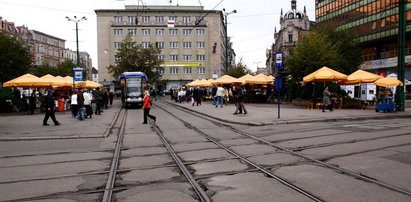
(226, 36)
(75, 20)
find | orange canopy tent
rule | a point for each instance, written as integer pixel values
(27, 81)
(193, 83)
(53, 81)
(360, 76)
(88, 84)
(324, 74)
(388, 82)
(226, 79)
(259, 79)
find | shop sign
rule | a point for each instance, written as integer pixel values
(183, 64)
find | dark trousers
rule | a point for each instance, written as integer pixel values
(98, 107)
(32, 108)
(74, 110)
(50, 113)
(330, 107)
(147, 113)
(240, 107)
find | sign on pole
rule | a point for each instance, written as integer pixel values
(78, 74)
(279, 64)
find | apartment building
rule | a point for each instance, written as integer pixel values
(376, 24)
(193, 48)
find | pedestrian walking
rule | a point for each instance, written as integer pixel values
(80, 105)
(105, 99)
(111, 97)
(98, 97)
(147, 107)
(239, 98)
(219, 96)
(32, 101)
(50, 108)
(327, 99)
(213, 94)
(87, 104)
(73, 103)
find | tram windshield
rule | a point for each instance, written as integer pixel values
(134, 87)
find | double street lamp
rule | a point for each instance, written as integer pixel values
(75, 20)
(226, 36)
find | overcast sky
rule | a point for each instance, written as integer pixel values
(251, 28)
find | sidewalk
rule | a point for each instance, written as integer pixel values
(30, 127)
(267, 114)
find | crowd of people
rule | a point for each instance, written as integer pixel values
(220, 96)
(80, 102)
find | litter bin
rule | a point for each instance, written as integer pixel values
(61, 105)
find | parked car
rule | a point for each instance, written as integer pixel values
(117, 93)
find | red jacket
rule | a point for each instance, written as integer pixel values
(147, 102)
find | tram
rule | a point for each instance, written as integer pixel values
(132, 88)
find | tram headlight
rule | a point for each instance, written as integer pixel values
(139, 99)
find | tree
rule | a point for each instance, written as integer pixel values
(41, 70)
(134, 57)
(15, 58)
(321, 47)
(239, 70)
(63, 69)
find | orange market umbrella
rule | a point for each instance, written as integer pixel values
(259, 79)
(245, 77)
(226, 79)
(193, 83)
(88, 84)
(28, 81)
(53, 81)
(388, 82)
(324, 74)
(205, 82)
(360, 76)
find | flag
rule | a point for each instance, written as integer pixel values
(170, 23)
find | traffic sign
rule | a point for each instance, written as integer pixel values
(78, 74)
(279, 62)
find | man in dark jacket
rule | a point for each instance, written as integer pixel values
(50, 107)
(80, 105)
(98, 97)
(239, 97)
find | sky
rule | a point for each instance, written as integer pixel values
(251, 28)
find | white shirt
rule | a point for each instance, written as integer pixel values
(87, 98)
(220, 91)
(73, 99)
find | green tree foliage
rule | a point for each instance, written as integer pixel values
(63, 69)
(321, 47)
(239, 70)
(134, 57)
(15, 59)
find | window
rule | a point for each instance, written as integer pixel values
(290, 38)
(187, 31)
(145, 44)
(186, 44)
(200, 57)
(173, 44)
(200, 31)
(160, 57)
(187, 70)
(132, 31)
(173, 57)
(159, 19)
(132, 20)
(145, 31)
(200, 44)
(146, 18)
(173, 31)
(160, 44)
(186, 19)
(117, 58)
(118, 19)
(172, 18)
(173, 70)
(200, 70)
(159, 31)
(117, 44)
(199, 20)
(118, 32)
(187, 57)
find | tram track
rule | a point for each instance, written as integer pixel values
(290, 151)
(245, 159)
